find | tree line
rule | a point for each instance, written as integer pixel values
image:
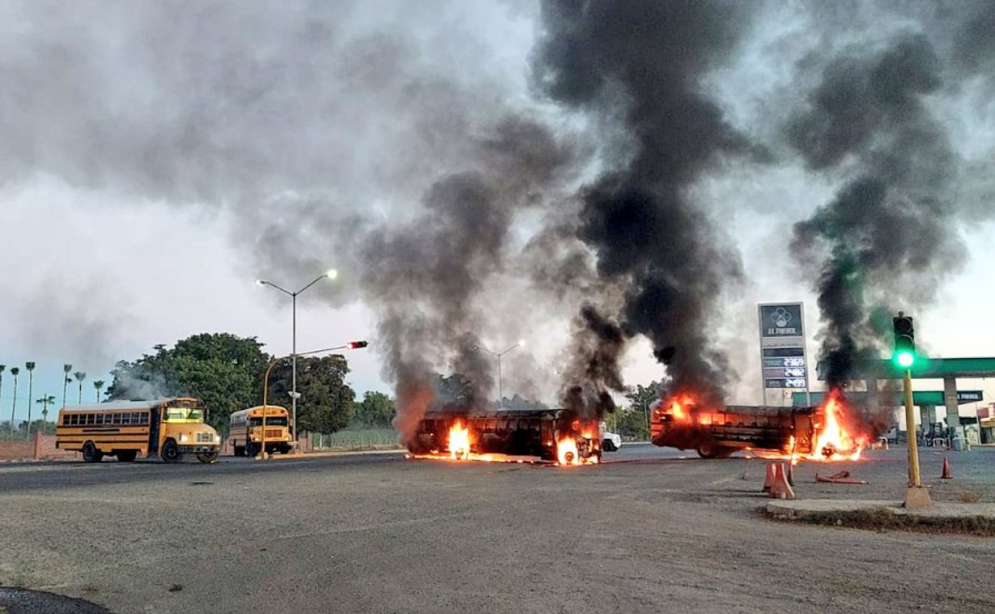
(226, 372)
(26, 427)
(223, 370)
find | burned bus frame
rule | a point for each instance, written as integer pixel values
(717, 434)
(510, 432)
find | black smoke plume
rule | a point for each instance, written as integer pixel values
(890, 233)
(593, 363)
(641, 64)
(424, 278)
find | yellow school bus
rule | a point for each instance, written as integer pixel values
(164, 428)
(246, 430)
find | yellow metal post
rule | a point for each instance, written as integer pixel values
(262, 452)
(914, 477)
(916, 495)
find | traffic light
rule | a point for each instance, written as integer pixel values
(905, 341)
(355, 345)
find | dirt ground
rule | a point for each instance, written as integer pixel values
(653, 532)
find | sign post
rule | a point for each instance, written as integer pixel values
(783, 363)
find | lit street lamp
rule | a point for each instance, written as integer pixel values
(499, 355)
(330, 274)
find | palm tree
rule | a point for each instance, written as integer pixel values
(14, 371)
(2, 369)
(30, 366)
(45, 401)
(99, 385)
(80, 376)
(65, 385)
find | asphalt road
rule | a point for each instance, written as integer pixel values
(649, 531)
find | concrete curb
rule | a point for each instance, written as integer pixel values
(820, 507)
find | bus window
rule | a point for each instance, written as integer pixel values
(144, 418)
(184, 415)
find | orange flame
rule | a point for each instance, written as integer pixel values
(834, 442)
(566, 451)
(459, 441)
(678, 408)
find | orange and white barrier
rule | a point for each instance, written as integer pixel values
(780, 489)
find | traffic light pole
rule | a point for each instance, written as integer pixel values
(916, 495)
(914, 477)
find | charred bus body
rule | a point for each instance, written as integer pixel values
(538, 433)
(717, 434)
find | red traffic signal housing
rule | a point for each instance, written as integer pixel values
(355, 345)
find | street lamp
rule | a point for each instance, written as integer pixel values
(352, 345)
(329, 274)
(499, 355)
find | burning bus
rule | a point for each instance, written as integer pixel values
(815, 433)
(555, 435)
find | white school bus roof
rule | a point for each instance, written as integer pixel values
(125, 405)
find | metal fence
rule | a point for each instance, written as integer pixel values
(356, 439)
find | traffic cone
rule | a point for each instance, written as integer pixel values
(946, 470)
(781, 489)
(769, 479)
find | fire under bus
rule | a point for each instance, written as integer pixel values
(554, 435)
(717, 434)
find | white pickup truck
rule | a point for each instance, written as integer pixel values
(610, 442)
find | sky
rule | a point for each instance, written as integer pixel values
(157, 159)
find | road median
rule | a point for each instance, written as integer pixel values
(940, 517)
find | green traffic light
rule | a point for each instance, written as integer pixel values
(905, 359)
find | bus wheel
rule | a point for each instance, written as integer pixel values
(250, 450)
(208, 457)
(170, 452)
(239, 451)
(707, 449)
(126, 456)
(91, 454)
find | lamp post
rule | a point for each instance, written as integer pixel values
(499, 355)
(330, 274)
(352, 345)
